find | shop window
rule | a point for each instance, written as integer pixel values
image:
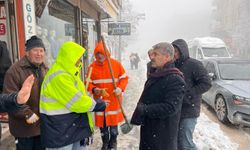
(89, 38)
(89, 35)
(55, 25)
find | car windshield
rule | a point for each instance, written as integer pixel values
(235, 71)
(215, 52)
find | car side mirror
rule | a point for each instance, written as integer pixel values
(212, 75)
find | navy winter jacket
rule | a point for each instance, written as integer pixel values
(196, 78)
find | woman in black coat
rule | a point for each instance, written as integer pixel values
(159, 107)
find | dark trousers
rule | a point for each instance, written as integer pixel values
(111, 130)
(29, 143)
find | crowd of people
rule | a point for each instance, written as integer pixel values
(50, 108)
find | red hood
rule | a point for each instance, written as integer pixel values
(99, 48)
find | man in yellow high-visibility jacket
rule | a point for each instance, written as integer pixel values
(66, 122)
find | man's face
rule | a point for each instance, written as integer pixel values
(79, 63)
(100, 57)
(150, 54)
(158, 59)
(176, 53)
(36, 55)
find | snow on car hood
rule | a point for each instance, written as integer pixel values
(238, 87)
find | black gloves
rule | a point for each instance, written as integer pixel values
(139, 114)
(100, 105)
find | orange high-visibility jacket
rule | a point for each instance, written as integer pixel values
(101, 78)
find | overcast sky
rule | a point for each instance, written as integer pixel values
(167, 20)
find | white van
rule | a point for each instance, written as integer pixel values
(207, 47)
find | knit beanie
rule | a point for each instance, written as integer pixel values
(33, 42)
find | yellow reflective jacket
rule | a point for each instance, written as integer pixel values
(64, 105)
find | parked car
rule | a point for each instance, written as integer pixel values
(229, 95)
(207, 47)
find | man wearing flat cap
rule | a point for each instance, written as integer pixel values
(24, 123)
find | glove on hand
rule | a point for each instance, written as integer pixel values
(32, 119)
(138, 115)
(96, 91)
(104, 93)
(99, 91)
(100, 105)
(118, 91)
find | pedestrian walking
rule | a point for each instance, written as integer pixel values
(136, 61)
(132, 59)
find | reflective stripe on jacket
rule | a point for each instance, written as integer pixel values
(64, 105)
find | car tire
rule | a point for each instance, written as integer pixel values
(221, 109)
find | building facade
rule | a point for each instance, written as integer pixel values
(231, 23)
(54, 21)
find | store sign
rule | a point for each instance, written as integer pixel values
(3, 27)
(29, 18)
(119, 29)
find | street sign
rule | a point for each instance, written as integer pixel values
(119, 28)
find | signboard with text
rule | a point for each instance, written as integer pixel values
(3, 24)
(29, 18)
(119, 28)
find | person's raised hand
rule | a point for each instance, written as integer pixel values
(24, 94)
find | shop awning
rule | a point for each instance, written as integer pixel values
(108, 7)
(61, 10)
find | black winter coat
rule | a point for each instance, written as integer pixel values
(158, 110)
(196, 78)
(8, 102)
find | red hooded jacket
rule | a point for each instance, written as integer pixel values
(101, 78)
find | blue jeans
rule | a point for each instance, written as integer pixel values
(185, 135)
(74, 146)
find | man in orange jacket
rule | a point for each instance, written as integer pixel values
(101, 86)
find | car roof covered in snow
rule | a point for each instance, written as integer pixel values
(209, 42)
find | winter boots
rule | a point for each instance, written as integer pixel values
(105, 142)
(113, 142)
(109, 144)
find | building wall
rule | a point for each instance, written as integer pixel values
(231, 23)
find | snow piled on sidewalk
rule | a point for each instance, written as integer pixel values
(209, 136)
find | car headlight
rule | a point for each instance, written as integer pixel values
(240, 99)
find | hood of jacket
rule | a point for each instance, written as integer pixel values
(68, 55)
(100, 49)
(184, 53)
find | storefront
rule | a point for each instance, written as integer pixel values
(54, 21)
(8, 27)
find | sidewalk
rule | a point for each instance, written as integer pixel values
(5, 131)
(7, 141)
